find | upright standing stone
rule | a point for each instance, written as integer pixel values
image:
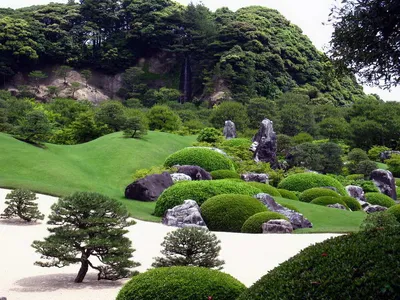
(356, 192)
(385, 182)
(230, 130)
(265, 144)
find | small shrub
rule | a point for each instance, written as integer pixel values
(394, 165)
(288, 194)
(311, 194)
(375, 151)
(141, 173)
(352, 203)
(395, 211)
(266, 188)
(207, 159)
(355, 177)
(379, 199)
(200, 191)
(254, 223)
(328, 200)
(378, 221)
(239, 142)
(172, 283)
(22, 205)
(291, 207)
(305, 181)
(229, 212)
(224, 174)
(365, 167)
(209, 135)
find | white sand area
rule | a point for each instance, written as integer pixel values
(247, 258)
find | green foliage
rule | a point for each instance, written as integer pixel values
(75, 86)
(375, 151)
(313, 193)
(135, 125)
(328, 200)
(209, 135)
(224, 174)
(364, 167)
(34, 127)
(291, 207)
(37, 77)
(288, 194)
(88, 225)
(181, 283)
(266, 188)
(87, 75)
(62, 72)
(379, 199)
(355, 177)
(302, 137)
(394, 165)
(255, 222)
(162, 118)
(334, 128)
(229, 212)
(379, 221)
(190, 246)
(21, 204)
(352, 203)
(206, 158)
(141, 173)
(305, 181)
(357, 155)
(336, 268)
(111, 113)
(230, 110)
(395, 211)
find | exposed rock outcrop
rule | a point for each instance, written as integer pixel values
(385, 182)
(356, 192)
(195, 172)
(277, 226)
(180, 177)
(370, 209)
(229, 130)
(185, 215)
(149, 188)
(265, 144)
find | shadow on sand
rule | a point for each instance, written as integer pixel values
(19, 222)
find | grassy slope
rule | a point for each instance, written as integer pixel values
(105, 165)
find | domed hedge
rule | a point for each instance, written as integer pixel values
(254, 223)
(288, 194)
(224, 174)
(328, 200)
(395, 210)
(291, 207)
(379, 199)
(352, 203)
(200, 191)
(305, 181)
(311, 194)
(359, 266)
(266, 188)
(179, 283)
(238, 142)
(229, 212)
(207, 159)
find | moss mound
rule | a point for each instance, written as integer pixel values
(229, 212)
(328, 200)
(181, 283)
(352, 203)
(379, 199)
(200, 191)
(266, 188)
(311, 194)
(395, 210)
(224, 174)
(254, 223)
(287, 194)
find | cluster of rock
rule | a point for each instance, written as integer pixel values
(387, 155)
(277, 226)
(257, 177)
(265, 144)
(185, 215)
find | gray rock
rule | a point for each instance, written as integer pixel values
(337, 206)
(370, 209)
(180, 177)
(195, 172)
(149, 188)
(364, 204)
(296, 219)
(185, 215)
(355, 192)
(230, 130)
(385, 182)
(265, 144)
(387, 155)
(257, 177)
(277, 226)
(3, 298)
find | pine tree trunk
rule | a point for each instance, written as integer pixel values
(82, 272)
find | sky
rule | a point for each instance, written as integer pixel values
(309, 15)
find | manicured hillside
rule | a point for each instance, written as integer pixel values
(104, 165)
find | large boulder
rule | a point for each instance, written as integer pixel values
(356, 192)
(385, 182)
(257, 177)
(277, 226)
(149, 188)
(230, 130)
(180, 177)
(370, 209)
(185, 215)
(387, 155)
(195, 172)
(337, 206)
(296, 219)
(265, 144)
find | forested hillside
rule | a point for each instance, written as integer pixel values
(253, 52)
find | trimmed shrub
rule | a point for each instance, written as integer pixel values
(352, 203)
(314, 193)
(395, 211)
(229, 212)
(355, 177)
(254, 223)
(239, 142)
(207, 159)
(288, 194)
(200, 191)
(291, 207)
(338, 268)
(305, 181)
(328, 200)
(174, 283)
(209, 135)
(224, 174)
(379, 199)
(266, 188)
(378, 221)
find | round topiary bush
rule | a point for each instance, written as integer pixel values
(305, 181)
(291, 207)
(224, 174)
(174, 283)
(265, 188)
(395, 210)
(288, 194)
(352, 203)
(311, 194)
(379, 199)
(200, 191)
(206, 158)
(328, 200)
(254, 223)
(358, 266)
(229, 212)
(238, 142)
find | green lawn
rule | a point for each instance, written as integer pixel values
(105, 165)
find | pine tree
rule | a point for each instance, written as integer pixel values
(190, 246)
(88, 225)
(21, 204)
